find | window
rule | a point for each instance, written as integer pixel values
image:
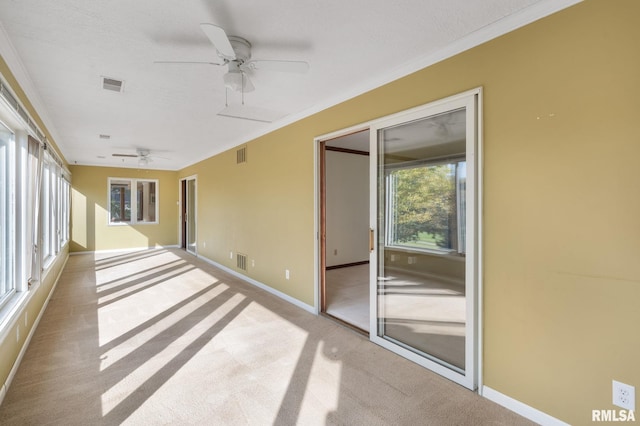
(127, 207)
(34, 205)
(426, 206)
(7, 215)
(53, 218)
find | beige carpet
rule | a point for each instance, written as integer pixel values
(347, 293)
(160, 338)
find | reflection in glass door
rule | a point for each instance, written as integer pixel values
(423, 265)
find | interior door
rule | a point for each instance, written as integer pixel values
(423, 263)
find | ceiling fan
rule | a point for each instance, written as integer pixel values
(235, 52)
(143, 155)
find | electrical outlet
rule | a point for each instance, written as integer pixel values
(624, 396)
(286, 273)
(231, 255)
(253, 263)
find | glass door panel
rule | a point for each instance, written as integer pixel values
(424, 301)
(191, 216)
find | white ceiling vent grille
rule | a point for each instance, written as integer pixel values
(112, 84)
(241, 155)
(241, 261)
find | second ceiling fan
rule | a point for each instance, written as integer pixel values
(235, 52)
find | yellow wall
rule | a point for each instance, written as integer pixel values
(89, 195)
(561, 270)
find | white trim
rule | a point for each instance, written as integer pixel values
(27, 341)
(268, 289)
(10, 311)
(480, 238)
(316, 226)
(498, 28)
(521, 408)
(123, 250)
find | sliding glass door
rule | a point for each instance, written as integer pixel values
(188, 221)
(423, 217)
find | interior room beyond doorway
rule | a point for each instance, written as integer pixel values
(346, 229)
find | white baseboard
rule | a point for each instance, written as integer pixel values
(16, 364)
(126, 250)
(262, 286)
(520, 408)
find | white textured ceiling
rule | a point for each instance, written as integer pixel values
(66, 46)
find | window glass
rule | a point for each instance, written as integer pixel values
(45, 211)
(146, 200)
(424, 206)
(142, 208)
(120, 194)
(7, 282)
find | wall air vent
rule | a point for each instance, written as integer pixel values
(106, 137)
(241, 261)
(112, 84)
(241, 155)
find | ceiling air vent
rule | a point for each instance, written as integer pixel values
(241, 155)
(241, 261)
(112, 84)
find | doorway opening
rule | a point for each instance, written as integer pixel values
(188, 214)
(344, 226)
(418, 225)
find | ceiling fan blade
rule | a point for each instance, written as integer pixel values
(220, 41)
(300, 67)
(189, 62)
(125, 155)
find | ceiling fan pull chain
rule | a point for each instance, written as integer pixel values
(242, 87)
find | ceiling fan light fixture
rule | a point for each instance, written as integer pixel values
(236, 80)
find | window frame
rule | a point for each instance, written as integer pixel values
(23, 171)
(133, 200)
(9, 218)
